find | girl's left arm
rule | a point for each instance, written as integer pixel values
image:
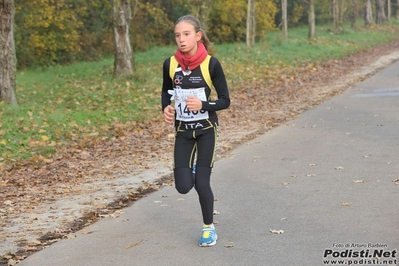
(220, 84)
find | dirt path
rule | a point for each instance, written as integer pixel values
(39, 205)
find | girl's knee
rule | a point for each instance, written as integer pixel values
(183, 189)
(184, 181)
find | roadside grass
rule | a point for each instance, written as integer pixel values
(82, 102)
(274, 52)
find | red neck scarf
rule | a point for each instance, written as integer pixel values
(191, 62)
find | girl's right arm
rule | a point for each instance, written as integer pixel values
(169, 114)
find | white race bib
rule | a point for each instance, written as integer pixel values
(182, 112)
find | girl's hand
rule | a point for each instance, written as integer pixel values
(168, 114)
(193, 103)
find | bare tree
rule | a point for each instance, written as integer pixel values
(7, 52)
(335, 12)
(397, 9)
(380, 17)
(355, 11)
(284, 19)
(201, 10)
(342, 9)
(124, 63)
(251, 24)
(311, 20)
(368, 14)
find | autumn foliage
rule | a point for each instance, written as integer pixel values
(52, 32)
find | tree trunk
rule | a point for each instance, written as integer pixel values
(355, 10)
(251, 24)
(123, 64)
(368, 14)
(8, 59)
(312, 20)
(341, 8)
(335, 11)
(389, 10)
(381, 17)
(284, 19)
(201, 9)
(397, 9)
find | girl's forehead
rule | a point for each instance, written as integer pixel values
(184, 26)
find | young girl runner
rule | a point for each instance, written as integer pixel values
(194, 114)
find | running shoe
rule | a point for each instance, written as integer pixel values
(208, 236)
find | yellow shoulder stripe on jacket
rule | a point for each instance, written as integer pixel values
(204, 70)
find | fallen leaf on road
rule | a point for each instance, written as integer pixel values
(12, 262)
(117, 213)
(133, 244)
(229, 245)
(278, 232)
(346, 204)
(358, 181)
(35, 243)
(215, 212)
(396, 181)
(70, 236)
(339, 168)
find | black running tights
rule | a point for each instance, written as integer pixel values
(202, 145)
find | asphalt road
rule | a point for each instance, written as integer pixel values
(318, 189)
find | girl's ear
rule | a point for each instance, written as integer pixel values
(198, 36)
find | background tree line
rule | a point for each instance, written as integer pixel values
(36, 33)
(58, 32)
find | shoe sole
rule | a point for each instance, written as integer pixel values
(210, 244)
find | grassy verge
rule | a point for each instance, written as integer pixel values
(82, 102)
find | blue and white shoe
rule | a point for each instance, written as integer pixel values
(208, 236)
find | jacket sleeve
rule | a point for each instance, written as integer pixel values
(220, 84)
(167, 84)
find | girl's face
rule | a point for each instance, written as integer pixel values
(187, 38)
